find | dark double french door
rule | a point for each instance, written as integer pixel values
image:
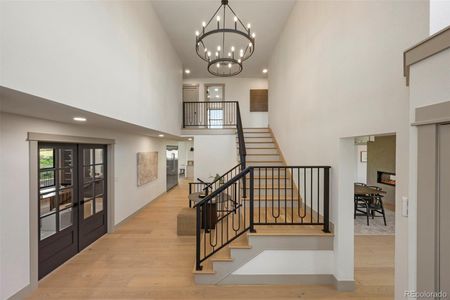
(72, 200)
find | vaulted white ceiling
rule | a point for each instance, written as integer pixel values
(181, 18)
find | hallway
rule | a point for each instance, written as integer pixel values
(145, 259)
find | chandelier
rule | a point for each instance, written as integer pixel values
(225, 43)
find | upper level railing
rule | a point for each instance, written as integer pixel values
(216, 115)
(210, 114)
(277, 195)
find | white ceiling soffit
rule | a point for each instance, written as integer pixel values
(181, 19)
(15, 102)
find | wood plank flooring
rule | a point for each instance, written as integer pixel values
(145, 259)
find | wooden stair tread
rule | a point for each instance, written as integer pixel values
(259, 143)
(290, 230)
(264, 161)
(263, 148)
(263, 154)
(207, 269)
(274, 188)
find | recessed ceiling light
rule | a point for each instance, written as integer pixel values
(265, 71)
(216, 89)
(79, 119)
(161, 135)
(189, 139)
(187, 71)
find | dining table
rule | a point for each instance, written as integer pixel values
(361, 190)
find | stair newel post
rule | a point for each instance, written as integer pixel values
(198, 267)
(252, 202)
(326, 200)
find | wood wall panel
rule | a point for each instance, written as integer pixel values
(259, 100)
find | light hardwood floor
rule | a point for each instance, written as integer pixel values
(145, 259)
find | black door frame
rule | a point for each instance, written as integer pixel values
(78, 243)
(54, 250)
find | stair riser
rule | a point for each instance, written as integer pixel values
(262, 151)
(274, 192)
(257, 134)
(258, 145)
(262, 163)
(247, 130)
(251, 157)
(258, 140)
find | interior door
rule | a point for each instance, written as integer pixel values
(58, 210)
(444, 209)
(191, 94)
(92, 194)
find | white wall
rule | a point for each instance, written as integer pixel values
(439, 15)
(184, 153)
(429, 84)
(214, 154)
(14, 193)
(289, 262)
(238, 89)
(337, 71)
(361, 167)
(108, 57)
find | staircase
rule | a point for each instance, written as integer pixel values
(276, 199)
(259, 205)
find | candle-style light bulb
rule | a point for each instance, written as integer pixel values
(206, 49)
(218, 18)
(232, 48)
(253, 35)
(239, 60)
(209, 53)
(203, 24)
(218, 48)
(218, 65)
(217, 54)
(229, 65)
(229, 53)
(249, 25)
(235, 19)
(197, 33)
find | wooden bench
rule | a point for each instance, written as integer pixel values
(186, 222)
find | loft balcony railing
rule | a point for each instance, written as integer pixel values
(210, 114)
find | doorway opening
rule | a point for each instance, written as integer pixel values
(374, 199)
(72, 201)
(171, 166)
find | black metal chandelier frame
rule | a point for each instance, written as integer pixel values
(221, 61)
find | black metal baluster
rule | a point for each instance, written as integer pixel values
(285, 193)
(266, 192)
(311, 193)
(326, 199)
(292, 195)
(252, 229)
(318, 195)
(198, 267)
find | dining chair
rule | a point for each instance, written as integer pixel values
(376, 205)
(361, 204)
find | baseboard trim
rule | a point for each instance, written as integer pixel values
(289, 279)
(344, 285)
(23, 293)
(279, 279)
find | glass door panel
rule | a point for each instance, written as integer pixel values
(57, 198)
